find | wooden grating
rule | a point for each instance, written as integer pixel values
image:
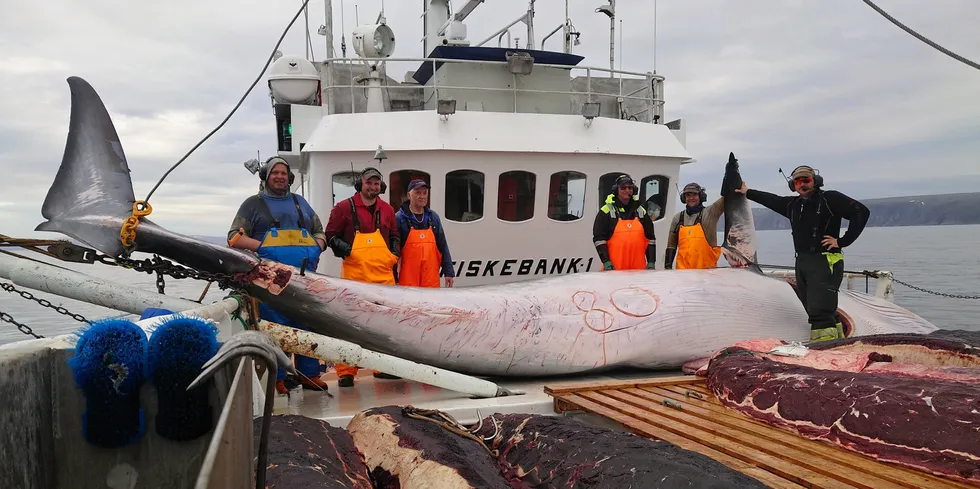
(681, 410)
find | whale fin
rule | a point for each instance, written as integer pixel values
(739, 246)
(92, 191)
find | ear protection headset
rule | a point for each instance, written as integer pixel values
(272, 161)
(615, 186)
(817, 179)
(702, 194)
(357, 183)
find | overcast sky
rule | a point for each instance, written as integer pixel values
(829, 83)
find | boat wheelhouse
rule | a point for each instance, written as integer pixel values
(520, 145)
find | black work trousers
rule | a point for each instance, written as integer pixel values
(817, 285)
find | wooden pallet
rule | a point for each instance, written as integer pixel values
(681, 410)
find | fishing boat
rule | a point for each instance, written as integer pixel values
(520, 144)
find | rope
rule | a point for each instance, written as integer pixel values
(921, 37)
(239, 104)
(447, 422)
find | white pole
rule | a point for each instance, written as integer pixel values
(86, 288)
(305, 343)
(326, 96)
(567, 32)
(219, 312)
(612, 38)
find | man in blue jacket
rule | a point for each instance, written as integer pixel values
(425, 251)
(281, 226)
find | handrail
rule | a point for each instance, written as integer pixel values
(651, 88)
(352, 61)
(527, 90)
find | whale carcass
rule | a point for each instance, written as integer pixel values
(576, 323)
(912, 400)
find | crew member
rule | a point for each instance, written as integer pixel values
(815, 217)
(362, 231)
(693, 234)
(281, 226)
(425, 250)
(622, 233)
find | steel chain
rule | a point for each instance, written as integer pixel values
(943, 294)
(163, 267)
(22, 327)
(43, 302)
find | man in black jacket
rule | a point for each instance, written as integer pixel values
(815, 217)
(622, 231)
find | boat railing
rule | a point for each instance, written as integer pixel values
(884, 282)
(639, 96)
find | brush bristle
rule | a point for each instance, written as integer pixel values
(108, 367)
(178, 349)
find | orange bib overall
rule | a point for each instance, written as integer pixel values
(370, 261)
(628, 245)
(693, 250)
(420, 260)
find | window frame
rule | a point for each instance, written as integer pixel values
(664, 182)
(585, 194)
(345, 173)
(534, 193)
(445, 193)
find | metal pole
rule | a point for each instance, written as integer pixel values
(315, 345)
(612, 38)
(86, 288)
(567, 32)
(530, 25)
(327, 96)
(306, 38)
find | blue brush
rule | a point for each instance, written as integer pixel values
(178, 349)
(108, 368)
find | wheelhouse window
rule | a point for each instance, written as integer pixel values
(606, 183)
(343, 185)
(566, 196)
(515, 196)
(653, 195)
(464, 195)
(398, 185)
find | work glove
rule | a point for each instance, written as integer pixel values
(340, 248)
(651, 256)
(607, 265)
(669, 258)
(396, 246)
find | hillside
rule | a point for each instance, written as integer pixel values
(919, 210)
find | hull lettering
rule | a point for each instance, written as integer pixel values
(521, 267)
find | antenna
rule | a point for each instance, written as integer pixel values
(357, 19)
(343, 31)
(783, 174)
(654, 37)
(306, 17)
(621, 60)
(620, 45)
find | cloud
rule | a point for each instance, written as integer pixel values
(780, 83)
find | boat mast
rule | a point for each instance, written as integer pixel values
(326, 98)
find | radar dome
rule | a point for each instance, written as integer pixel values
(293, 80)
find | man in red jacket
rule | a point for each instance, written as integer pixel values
(362, 231)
